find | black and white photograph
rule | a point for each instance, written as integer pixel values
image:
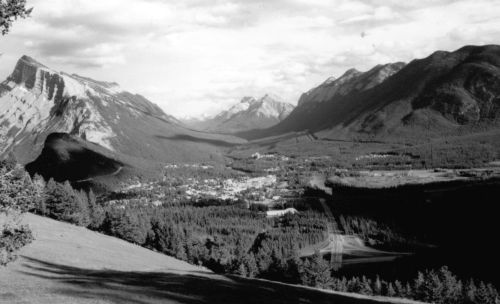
(249, 151)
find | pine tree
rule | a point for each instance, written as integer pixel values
(452, 287)
(125, 224)
(251, 266)
(365, 287)
(390, 291)
(418, 286)
(97, 212)
(494, 297)
(470, 292)
(242, 270)
(377, 287)
(316, 272)
(483, 295)
(409, 291)
(17, 196)
(399, 289)
(39, 185)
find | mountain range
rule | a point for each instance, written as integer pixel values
(56, 121)
(88, 115)
(445, 92)
(250, 113)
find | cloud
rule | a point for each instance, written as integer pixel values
(195, 57)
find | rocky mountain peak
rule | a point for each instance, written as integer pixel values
(248, 114)
(248, 99)
(25, 71)
(352, 80)
(329, 80)
(269, 97)
(36, 101)
(27, 60)
(350, 73)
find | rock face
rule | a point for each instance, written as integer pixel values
(352, 81)
(444, 92)
(248, 114)
(36, 101)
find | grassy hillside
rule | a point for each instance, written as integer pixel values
(69, 264)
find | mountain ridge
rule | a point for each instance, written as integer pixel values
(36, 101)
(439, 93)
(249, 113)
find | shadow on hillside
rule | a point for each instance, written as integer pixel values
(158, 287)
(185, 137)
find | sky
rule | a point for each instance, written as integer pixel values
(196, 58)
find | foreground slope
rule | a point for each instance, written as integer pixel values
(69, 264)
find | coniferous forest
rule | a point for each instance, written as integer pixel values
(226, 238)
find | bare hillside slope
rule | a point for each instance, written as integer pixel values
(69, 264)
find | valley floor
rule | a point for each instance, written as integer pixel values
(70, 264)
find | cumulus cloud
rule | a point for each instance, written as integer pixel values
(195, 57)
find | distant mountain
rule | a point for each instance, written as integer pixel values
(36, 101)
(445, 92)
(195, 122)
(248, 114)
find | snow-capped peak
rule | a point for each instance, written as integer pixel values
(250, 113)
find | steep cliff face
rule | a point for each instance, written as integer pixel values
(36, 101)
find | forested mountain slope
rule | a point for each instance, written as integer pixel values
(444, 93)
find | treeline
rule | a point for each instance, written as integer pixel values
(431, 286)
(233, 239)
(452, 154)
(225, 238)
(62, 202)
(371, 231)
(376, 234)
